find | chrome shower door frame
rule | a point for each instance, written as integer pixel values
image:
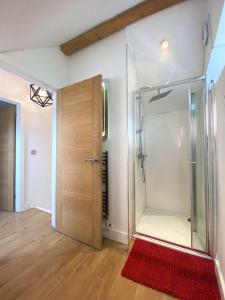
(207, 157)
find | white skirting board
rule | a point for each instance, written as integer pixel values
(220, 279)
(116, 235)
(44, 209)
(25, 206)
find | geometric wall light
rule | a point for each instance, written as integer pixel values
(40, 96)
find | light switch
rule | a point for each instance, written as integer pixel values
(33, 152)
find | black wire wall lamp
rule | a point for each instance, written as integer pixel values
(40, 96)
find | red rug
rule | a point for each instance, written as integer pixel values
(184, 276)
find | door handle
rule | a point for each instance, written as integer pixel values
(191, 162)
(93, 160)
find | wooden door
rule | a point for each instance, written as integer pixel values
(7, 156)
(79, 140)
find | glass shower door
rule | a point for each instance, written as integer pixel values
(169, 138)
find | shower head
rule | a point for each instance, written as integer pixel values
(159, 96)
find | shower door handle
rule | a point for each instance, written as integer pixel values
(93, 160)
(191, 162)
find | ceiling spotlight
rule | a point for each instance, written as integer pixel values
(164, 45)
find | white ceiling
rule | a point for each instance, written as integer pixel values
(27, 24)
(182, 26)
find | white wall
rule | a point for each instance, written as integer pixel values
(108, 57)
(36, 134)
(216, 72)
(220, 148)
(47, 65)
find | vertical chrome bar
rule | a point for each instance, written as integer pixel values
(194, 158)
(191, 159)
(206, 162)
(211, 172)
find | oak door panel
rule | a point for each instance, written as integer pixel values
(79, 114)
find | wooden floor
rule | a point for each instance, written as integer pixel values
(39, 263)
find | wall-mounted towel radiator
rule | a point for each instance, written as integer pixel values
(105, 197)
(105, 191)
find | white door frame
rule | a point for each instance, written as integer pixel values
(19, 163)
(54, 159)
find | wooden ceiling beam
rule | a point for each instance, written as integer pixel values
(134, 14)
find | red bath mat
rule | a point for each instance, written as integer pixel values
(184, 276)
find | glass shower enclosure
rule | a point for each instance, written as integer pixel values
(169, 142)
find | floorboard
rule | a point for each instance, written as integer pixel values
(37, 262)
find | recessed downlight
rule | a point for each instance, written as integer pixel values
(164, 45)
